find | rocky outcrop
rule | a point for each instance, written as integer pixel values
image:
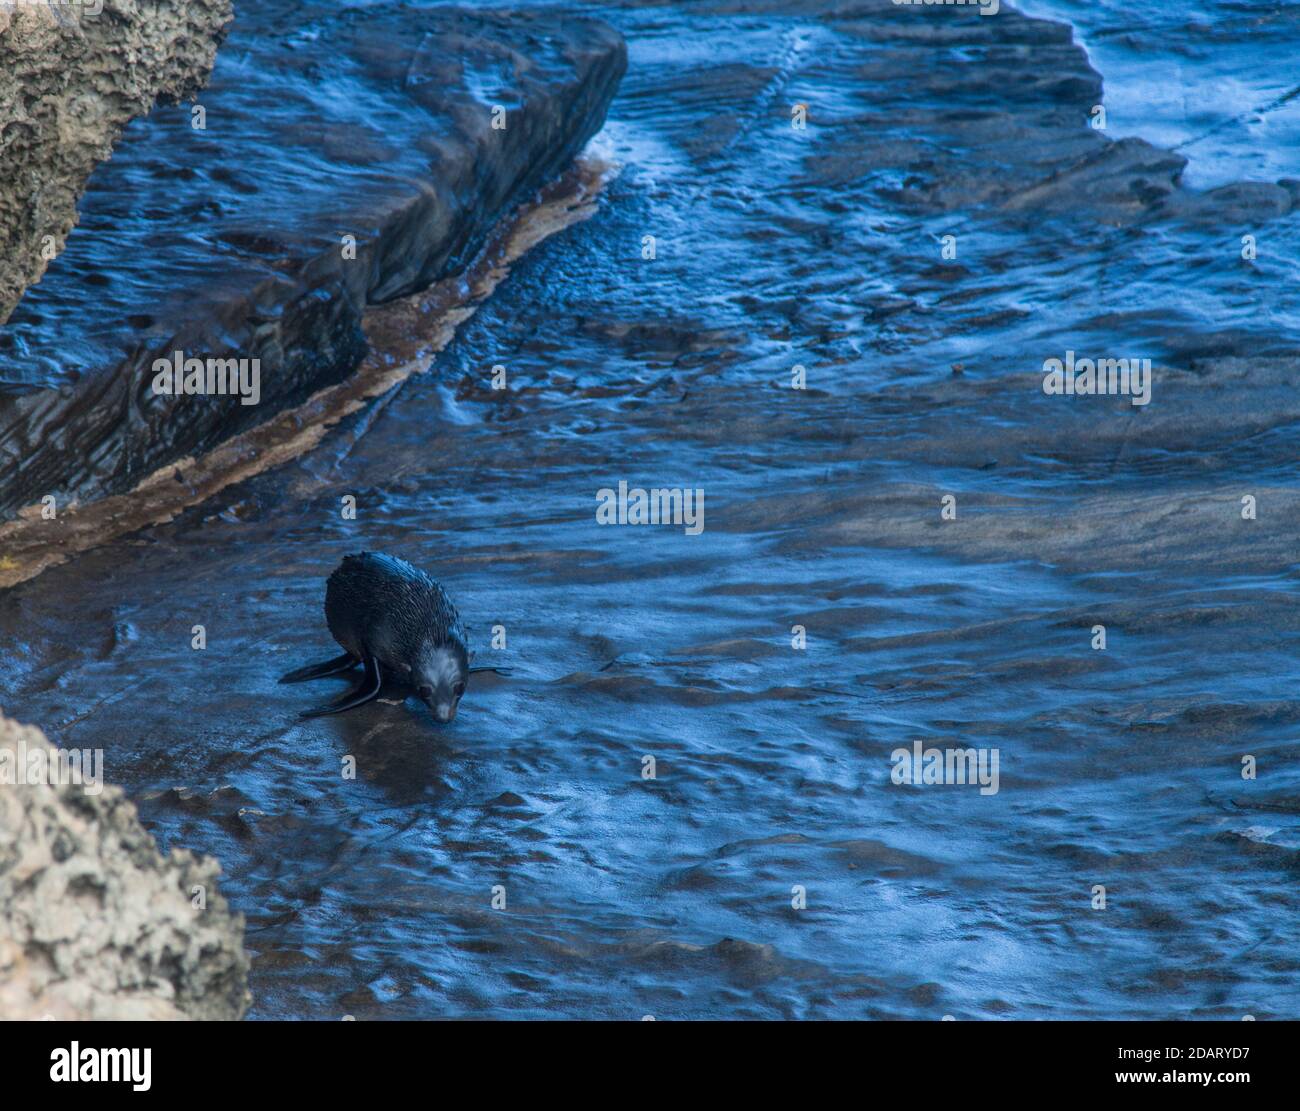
(346, 157)
(72, 75)
(94, 922)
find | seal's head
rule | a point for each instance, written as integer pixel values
(438, 675)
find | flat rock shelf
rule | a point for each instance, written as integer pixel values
(220, 229)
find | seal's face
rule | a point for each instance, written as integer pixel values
(439, 678)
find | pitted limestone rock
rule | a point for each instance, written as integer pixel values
(94, 922)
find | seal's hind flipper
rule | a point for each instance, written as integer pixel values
(320, 670)
(365, 691)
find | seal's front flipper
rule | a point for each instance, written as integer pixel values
(365, 691)
(320, 670)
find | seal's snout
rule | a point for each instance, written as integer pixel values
(443, 710)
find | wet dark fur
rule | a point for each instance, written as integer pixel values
(382, 606)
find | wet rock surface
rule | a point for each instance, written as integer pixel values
(72, 75)
(673, 896)
(320, 123)
(94, 922)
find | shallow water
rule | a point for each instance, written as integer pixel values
(672, 897)
(1212, 80)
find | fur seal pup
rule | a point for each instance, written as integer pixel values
(399, 624)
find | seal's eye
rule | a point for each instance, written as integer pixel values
(458, 689)
(425, 692)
